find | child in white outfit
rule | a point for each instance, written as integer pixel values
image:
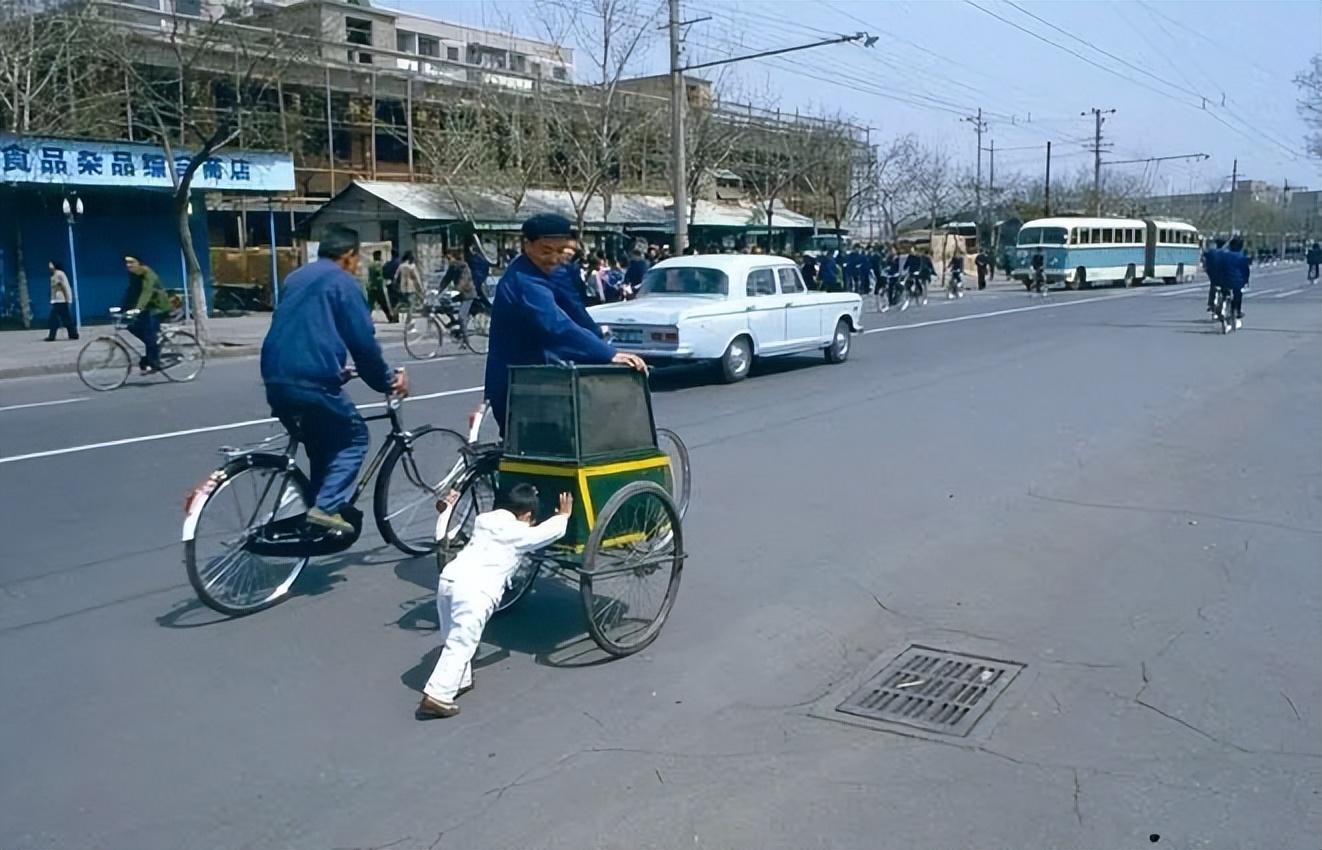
(471, 585)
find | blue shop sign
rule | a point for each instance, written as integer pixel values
(31, 159)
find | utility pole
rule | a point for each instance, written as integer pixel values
(679, 100)
(1046, 202)
(1097, 157)
(991, 178)
(1234, 189)
(678, 166)
(1285, 215)
(979, 126)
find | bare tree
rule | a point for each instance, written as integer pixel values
(897, 186)
(1309, 104)
(519, 146)
(54, 79)
(457, 150)
(591, 125)
(845, 173)
(201, 86)
(712, 138)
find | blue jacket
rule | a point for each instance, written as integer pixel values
(827, 269)
(637, 268)
(479, 267)
(1212, 265)
(530, 328)
(567, 287)
(1234, 266)
(322, 319)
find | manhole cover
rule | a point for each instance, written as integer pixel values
(934, 690)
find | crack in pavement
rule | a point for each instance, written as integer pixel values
(1144, 509)
(1078, 814)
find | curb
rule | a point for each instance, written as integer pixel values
(215, 351)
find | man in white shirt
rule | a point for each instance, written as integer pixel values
(471, 585)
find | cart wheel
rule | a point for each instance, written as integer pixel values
(670, 443)
(631, 568)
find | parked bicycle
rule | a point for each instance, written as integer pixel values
(246, 535)
(443, 317)
(105, 363)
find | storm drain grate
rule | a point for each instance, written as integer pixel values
(927, 688)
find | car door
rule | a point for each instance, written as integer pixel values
(765, 311)
(803, 311)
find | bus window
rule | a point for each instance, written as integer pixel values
(1108, 235)
(1161, 235)
(1096, 236)
(1074, 236)
(1053, 235)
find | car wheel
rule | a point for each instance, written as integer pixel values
(838, 350)
(737, 360)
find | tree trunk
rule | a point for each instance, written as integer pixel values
(21, 278)
(196, 290)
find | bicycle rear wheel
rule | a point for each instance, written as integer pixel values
(423, 336)
(104, 363)
(416, 473)
(182, 357)
(249, 500)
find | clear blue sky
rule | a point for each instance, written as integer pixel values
(949, 58)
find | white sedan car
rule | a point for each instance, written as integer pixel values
(729, 309)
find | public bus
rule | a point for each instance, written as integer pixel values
(1085, 252)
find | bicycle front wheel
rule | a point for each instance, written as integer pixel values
(252, 500)
(182, 357)
(478, 335)
(104, 364)
(423, 337)
(420, 469)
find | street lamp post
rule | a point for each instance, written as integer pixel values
(73, 207)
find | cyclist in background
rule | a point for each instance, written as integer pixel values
(1234, 263)
(1211, 258)
(321, 321)
(956, 277)
(146, 295)
(1314, 259)
(1039, 263)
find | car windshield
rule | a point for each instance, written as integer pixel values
(685, 280)
(1042, 236)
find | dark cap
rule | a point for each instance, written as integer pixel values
(549, 226)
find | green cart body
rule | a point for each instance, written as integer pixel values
(586, 430)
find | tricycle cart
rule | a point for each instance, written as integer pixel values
(588, 430)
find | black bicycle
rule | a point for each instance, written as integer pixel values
(246, 535)
(1223, 308)
(443, 316)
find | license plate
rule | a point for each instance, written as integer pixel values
(628, 335)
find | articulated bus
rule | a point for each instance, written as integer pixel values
(1085, 252)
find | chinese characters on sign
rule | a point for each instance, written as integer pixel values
(38, 160)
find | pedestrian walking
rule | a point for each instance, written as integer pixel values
(377, 296)
(61, 297)
(829, 271)
(408, 281)
(982, 262)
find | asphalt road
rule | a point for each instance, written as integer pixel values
(1098, 487)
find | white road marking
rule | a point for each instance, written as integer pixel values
(41, 404)
(1258, 293)
(1285, 294)
(148, 438)
(1184, 291)
(1009, 311)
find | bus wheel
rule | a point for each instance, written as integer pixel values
(1131, 277)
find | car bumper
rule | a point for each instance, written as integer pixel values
(683, 352)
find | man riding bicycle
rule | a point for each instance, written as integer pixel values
(146, 295)
(529, 325)
(323, 319)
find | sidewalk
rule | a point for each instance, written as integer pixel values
(26, 352)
